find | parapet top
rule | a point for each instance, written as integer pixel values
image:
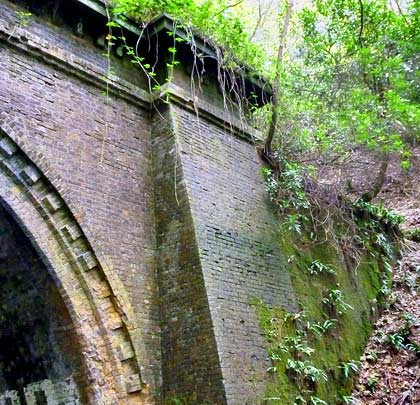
(156, 31)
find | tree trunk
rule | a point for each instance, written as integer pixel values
(379, 180)
(267, 150)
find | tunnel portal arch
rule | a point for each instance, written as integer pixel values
(39, 353)
(102, 319)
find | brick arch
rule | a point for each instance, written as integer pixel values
(95, 298)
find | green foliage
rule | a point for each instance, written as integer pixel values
(353, 80)
(350, 367)
(396, 340)
(334, 298)
(317, 334)
(316, 268)
(286, 189)
(321, 328)
(349, 85)
(270, 183)
(217, 20)
(413, 234)
(23, 18)
(290, 352)
(350, 78)
(372, 357)
(176, 401)
(413, 347)
(292, 179)
(372, 382)
(300, 400)
(306, 370)
(377, 226)
(400, 340)
(316, 401)
(377, 212)
(350, 400)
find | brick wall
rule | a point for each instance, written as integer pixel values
(191, 369)
(238, 246)
(98, 154)
(171, 204)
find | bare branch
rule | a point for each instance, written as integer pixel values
(257, 25)
(228, 7)
(379, 181)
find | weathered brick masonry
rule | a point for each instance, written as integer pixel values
(153, 222)
(240, 257)
(191, 366)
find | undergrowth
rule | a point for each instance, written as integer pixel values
(339, 256)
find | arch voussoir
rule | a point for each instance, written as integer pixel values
(98, 305)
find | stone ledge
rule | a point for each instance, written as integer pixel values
(27, 42)
(215, 115)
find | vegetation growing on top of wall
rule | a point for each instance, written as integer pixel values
(339, 255)
(219, 27)
(343, 79)
(219, 21)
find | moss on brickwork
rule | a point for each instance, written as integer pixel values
(314, 353)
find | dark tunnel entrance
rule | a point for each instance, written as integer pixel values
(39, 361)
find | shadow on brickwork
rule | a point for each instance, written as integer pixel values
(38, 363)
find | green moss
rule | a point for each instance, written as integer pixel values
(359, 284)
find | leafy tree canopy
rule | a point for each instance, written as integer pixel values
(348, 77)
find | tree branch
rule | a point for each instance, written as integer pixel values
(379, 181)
(257, 25)
(267, 151)
(228, 7)
(362, 23)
